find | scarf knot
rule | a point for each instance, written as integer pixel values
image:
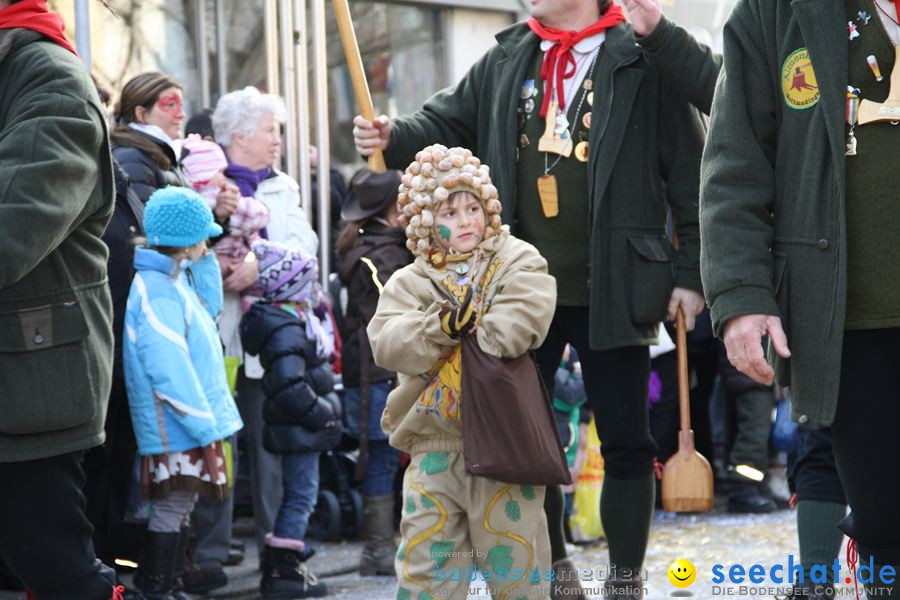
(559, 64)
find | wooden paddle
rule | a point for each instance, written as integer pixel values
(357, 74)
(687, 482)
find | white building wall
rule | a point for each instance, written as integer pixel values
(470, 33)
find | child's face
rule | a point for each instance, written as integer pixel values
(459, 223)
(197, 251)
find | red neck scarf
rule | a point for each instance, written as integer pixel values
(34, 15)
(559, 57)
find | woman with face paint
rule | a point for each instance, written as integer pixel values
(148, 121)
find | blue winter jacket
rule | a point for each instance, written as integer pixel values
(174, 365)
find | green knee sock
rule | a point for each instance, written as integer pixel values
(626, 509)
(820, 538)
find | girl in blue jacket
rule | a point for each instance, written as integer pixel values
(178, 395)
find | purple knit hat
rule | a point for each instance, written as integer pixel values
(287, 274)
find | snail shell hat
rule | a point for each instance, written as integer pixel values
(436, 173)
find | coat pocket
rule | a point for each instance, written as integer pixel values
(45, 373)
(652, 267)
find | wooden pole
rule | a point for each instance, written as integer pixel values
(357, 74)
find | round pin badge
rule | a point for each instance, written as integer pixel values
(586, 121)
(581, 151)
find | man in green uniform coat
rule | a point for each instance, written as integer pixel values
(799, 219)
(589, 153)
(56, 344)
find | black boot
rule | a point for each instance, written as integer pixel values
(285, 576)
(158, 565)
(181, 560)
(378, 533)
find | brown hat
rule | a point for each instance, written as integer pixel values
(369, 194)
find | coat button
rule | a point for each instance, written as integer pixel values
(823, 244)
(803, 419)
(38, 339)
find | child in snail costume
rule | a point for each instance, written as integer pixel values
(470, 278)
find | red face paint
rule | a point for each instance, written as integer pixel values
(171, 105)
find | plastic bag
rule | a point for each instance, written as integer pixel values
(584, 522)
(783, 428)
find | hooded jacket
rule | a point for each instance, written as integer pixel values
(174, 366)
(406, 335)
(301, 410)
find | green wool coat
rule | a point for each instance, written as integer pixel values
(773, 218)
(645, 146)
(56, 196)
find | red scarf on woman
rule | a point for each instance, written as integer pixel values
(34, 15)
(559, 57)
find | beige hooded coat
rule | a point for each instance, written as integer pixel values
(516, 299)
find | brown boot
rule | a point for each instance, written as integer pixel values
(566, 583)
(378, 533)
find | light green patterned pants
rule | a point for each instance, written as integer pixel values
(455, 525)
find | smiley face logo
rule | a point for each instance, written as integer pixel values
(682, 573)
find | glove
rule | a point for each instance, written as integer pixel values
(456, 321)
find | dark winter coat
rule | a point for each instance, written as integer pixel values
(124, 226)
(773, 182)
(145, 174)
(56, 196)
(385, 249)
(301, 410)
(645, 144)
(688, 66)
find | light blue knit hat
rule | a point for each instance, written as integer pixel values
(178, 217)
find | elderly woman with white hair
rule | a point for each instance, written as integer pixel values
(246, 124)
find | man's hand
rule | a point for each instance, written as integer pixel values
(645, 15)
(369, 135)
(691, 303)
(743, 342)
(227, 201)
(242, 276)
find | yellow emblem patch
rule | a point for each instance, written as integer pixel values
(798, 81)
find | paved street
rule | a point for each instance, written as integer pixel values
(705, 540)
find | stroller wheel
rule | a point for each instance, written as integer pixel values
(325, 522)
(351, 514)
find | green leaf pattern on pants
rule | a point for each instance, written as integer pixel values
(434, 463)
(528, 492)
(410, 505)
(440, 553)
(403, 594)
(512, 510)
(500, 558)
